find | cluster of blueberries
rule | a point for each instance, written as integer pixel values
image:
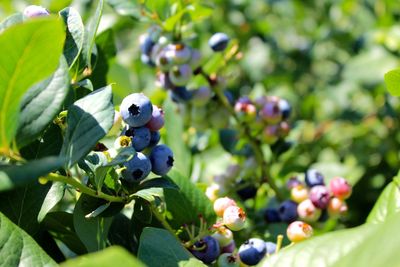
(220, 246)
(177, 62)
(312, 201)
(143, 121)
(268, 116)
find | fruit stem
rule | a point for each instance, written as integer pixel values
(279, 240)
(256, 146)
(82, 188)
(163, 222)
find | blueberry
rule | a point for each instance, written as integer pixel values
(33, 11)
(201, 96)
(247, 192)
(307, 211)
(285, 108)
(293, 182)
(162, 159)
(206, 249)
(154, 138)
(229, 248)
(340, 188)
(270, 112)
(271, 247)
(137, 168)
(218, 42)
(181, 94)
(320, 196)
(178, 53)
(146, 44)
(313, 178)
(180, 74)
(252, 251)
(288, 211)
(195, 59)
(228, 260)
(147, 60)
(157, 119)
(136, 109)
(140, 137)
(163, 62)
(272, 215)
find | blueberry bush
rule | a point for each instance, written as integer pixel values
(199, 133)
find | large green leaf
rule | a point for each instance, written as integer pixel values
(60, 225)
(112, 256)
(387, 204)
(189, 199)
(91, 231)
(392, 80)
(41, 103)
(350, 247)
(158, 247)
(19, 175)
(18, 248)
(174, 138)
(33, 52)
(90, 32)
(89, 119)
(75, 34)
(22, 205)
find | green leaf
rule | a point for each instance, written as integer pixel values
(112, 256)
(189, 199)
(199, 12)
(22, 205)
(75, 34)
(121, 233)
(387, 204)
(33, 53)
(89, 119)
(349, 247)
(55, 194)
(158, 247)
(162, 182)
(149, 193)
(41, 103)
(18, 248)
(174, 129)
(19, 175)
(91, 31)
(91, 231)
(142, 211)
(126, 8)
(10, 21)
(392, 81)
(60, 224)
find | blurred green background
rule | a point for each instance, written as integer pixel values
(326, 57)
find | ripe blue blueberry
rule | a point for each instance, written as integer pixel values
(146, 44)
(247, 192)
(252, 251)
(162, 159)
(154, 138)
(180, 74)
(33, 11)
(137, 168)
(218, 42)
(271, 247)
(288, 211)
(272, 215)
(313, 178)
(140, 137)
(136, 109)
(181, 95)
(285, 108)
(206, 249)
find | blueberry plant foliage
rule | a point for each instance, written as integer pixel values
(195, 133)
